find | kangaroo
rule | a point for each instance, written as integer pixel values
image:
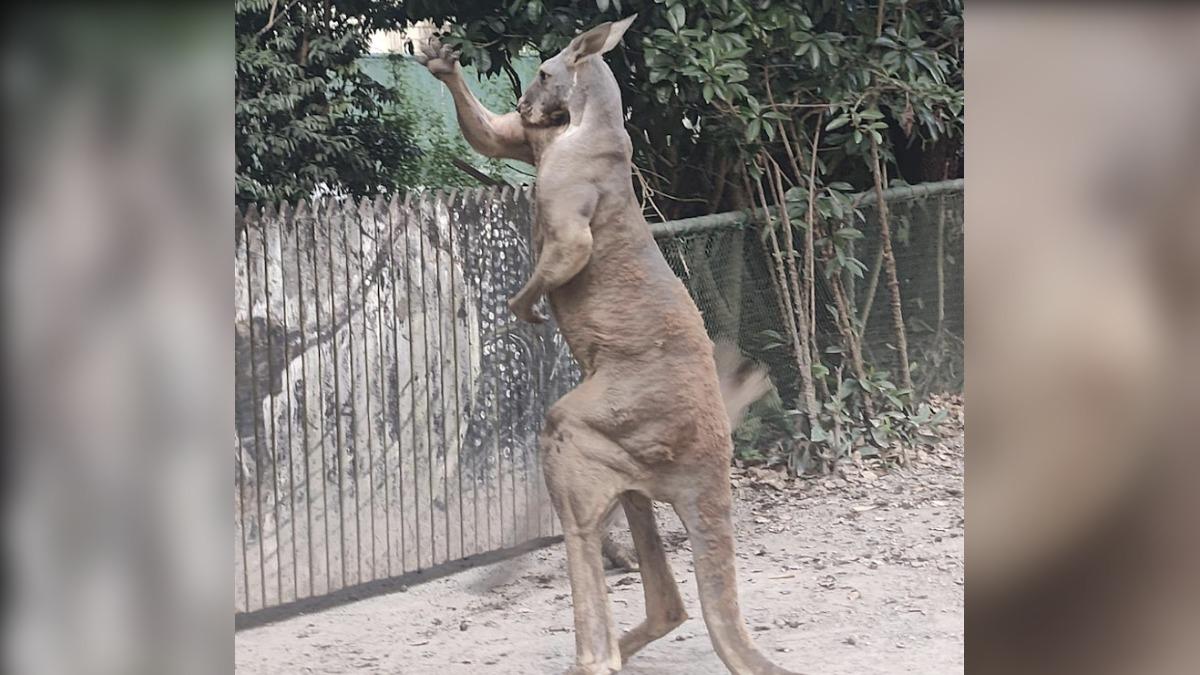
(651, 418)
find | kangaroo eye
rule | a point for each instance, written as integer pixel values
(542, 75)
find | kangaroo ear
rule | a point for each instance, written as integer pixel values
(598, 40)
(616, 32)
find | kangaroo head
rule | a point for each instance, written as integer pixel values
(547, 102)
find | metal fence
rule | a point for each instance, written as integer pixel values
(388, 404)
(723, 261)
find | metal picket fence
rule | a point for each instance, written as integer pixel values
(387, 403)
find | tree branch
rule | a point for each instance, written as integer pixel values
(274, 18)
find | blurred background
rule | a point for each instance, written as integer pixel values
(1083, 348)
(119, 160)
(1082, 343)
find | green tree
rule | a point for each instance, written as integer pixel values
(305, 114)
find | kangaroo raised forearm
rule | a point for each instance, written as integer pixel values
(492, 135)
(500, 136)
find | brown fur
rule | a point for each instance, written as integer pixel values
(652, 417)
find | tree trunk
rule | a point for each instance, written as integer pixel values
(800, 302)
(872, 288)
(788, 291)
(889, 265)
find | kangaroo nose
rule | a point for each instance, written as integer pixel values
(523, 106)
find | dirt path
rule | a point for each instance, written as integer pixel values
(852, 574)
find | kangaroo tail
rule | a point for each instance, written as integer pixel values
(742, 381)
(709, 527)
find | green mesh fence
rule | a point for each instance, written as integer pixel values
(727, 267)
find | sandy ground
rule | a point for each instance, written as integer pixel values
(861, 572)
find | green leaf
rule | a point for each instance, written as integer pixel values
(880, 436)
(818, 434)
(753, 129)
(847, 387)
(838, 122)
(676, 16)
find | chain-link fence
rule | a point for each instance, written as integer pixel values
(727, 267)
(388, 404)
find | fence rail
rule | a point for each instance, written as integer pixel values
(387, 403)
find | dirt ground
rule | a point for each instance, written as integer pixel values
(859, 572)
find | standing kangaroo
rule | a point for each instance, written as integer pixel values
(651, 418)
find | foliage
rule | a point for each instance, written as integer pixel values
(305, 115)
(773, 432)
(711, 83)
